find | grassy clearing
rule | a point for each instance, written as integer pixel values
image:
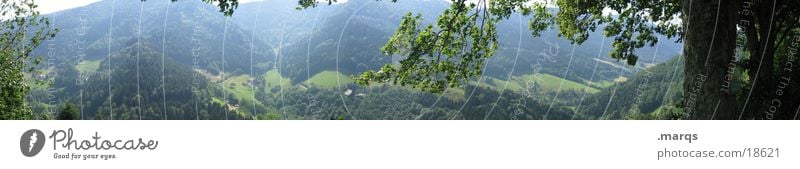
(274, 79)
(241, 87)
(603, 84)
(88, 66)
(546, 82)
(551, 83)
(512, 85)
(217, 100)
(328, 79)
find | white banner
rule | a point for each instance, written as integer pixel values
(399, 144)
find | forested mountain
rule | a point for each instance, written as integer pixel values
(165, 89)
(653, 93)
(186, 60)
(353, 33)
(176, 29)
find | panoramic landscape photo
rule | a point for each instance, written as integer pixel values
(400, 60)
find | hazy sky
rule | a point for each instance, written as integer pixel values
(50, 6)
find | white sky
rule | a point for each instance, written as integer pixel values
(50, 6)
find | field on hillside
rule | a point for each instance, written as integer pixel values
(240, 86)
(88, 66)
(274, 79)
(543, 81)
(328, 79)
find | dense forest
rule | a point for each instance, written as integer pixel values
(188, 59)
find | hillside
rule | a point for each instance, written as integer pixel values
(189, 32)
(257, 64)
(643, 95)
(145, 91)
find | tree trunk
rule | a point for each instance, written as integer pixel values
(708, 52)
(761, 61)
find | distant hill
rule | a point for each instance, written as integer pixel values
(178, 91)
(182, 27)
(644, 94)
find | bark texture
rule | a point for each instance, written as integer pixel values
(709, 45)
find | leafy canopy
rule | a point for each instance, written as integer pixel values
(454, 49)
(22, 30)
